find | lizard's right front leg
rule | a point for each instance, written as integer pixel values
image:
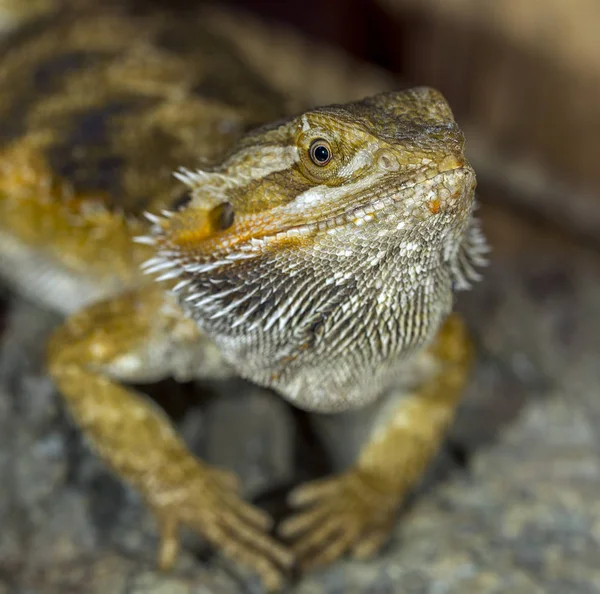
(140, 336)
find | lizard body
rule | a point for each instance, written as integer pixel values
(98, 109)
(316, 255)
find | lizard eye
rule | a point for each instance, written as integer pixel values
(320, 152)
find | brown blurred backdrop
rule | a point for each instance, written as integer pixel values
(523, 77)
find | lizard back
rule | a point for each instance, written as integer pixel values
(97, 109)
(115, 101)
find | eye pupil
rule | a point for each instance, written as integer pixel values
(320, 152)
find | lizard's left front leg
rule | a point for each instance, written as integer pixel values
(142, 336)
(355, 510)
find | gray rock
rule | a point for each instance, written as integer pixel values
(251, 431)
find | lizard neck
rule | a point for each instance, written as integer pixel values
(327, 325)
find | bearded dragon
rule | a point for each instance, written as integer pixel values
(316, 255)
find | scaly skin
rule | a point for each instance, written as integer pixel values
(316, 256)
(355, 510)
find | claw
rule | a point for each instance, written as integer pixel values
(334, 549)
(211, 506)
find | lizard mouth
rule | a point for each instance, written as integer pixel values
(207, 239)
(434, 197)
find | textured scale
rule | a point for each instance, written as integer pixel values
(97, 109)
(354, 263)
(316, 255)
(137, 96)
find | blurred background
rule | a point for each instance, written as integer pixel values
(523, 77)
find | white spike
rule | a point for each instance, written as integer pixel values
(152, 218)
(169, 275)
(201, 268)
(212, 297)
(181, 285)
(240, 320)
(198, 175)
(184, 176)
(167, 213)
(152, 262)
(206, 300)
(145, 240)
(236, 303)
(240, 256)
(158, 267)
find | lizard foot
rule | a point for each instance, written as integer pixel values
(210, 505)
(138, 441)
(349, 512)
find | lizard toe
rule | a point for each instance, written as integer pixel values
(210, 505)
(338, 514)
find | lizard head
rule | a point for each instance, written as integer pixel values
(391, 165)
(347, 208)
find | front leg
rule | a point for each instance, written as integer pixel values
(355, 510)
(141, 336)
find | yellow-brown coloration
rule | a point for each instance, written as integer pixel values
(323, 280)
(77, 230)
(138, 441)
(355, 510)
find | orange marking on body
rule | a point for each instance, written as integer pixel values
(194, 232)
(434, 206)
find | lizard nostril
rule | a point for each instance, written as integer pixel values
(222, 216)
(452, 161)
